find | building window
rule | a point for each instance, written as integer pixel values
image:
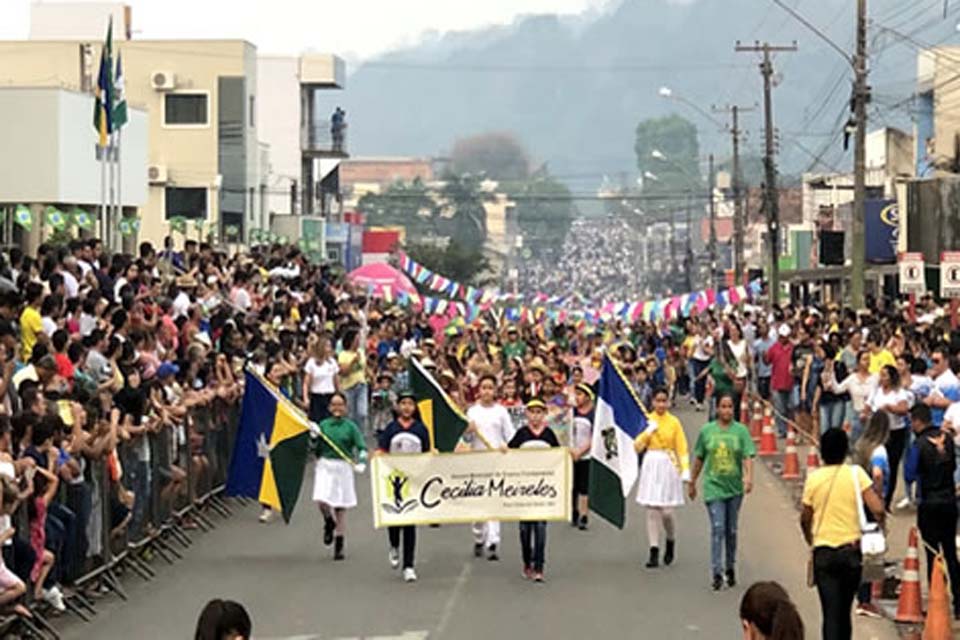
(185, 109)
(253, 111)
(186, 202)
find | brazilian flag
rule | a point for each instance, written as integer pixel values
(445, 422)
(271, 449)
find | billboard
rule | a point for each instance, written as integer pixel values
(882, 229)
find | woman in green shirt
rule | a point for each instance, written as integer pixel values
(333, 485)
(724, 452)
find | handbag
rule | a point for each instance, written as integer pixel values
(873, 544)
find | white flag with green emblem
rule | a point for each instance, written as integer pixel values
(618, 420)
(120, 94)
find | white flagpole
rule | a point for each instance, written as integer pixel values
(119, 183)
(103, 190)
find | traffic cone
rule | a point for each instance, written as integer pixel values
(756, 425)
(768, 439)
(813, 459)
(909, 603)
(791, 461)
(937, 624)
(744, 409)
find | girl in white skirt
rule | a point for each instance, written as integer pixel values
(665, 469)
(333, 485)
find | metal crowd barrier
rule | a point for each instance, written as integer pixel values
(179, 489)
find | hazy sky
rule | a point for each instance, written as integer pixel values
(353, 28)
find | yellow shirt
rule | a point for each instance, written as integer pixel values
(835, 519)
(668, 436)
(880, 360)
(31, 326)
(355, 374)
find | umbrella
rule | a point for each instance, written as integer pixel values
(379, 276)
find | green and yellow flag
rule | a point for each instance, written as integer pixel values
(445, 422)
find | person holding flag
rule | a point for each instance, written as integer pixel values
(338, 442)
(665, 468)
(405, 434)
(489, 427)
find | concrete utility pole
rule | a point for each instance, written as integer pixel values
(771, 199)
(739, 224)
(713, 225)
(861, 94)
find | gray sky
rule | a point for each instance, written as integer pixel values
(351, 28)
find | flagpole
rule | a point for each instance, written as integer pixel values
(120, 184)
(103, 190)
(111, 222)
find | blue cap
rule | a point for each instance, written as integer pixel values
(167, 369)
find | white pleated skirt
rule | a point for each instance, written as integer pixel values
(660, 484)
(333, 483)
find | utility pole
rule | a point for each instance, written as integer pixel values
(688, 258)
(739, 223)
(771, 199)
(861, 94)
(713, 225)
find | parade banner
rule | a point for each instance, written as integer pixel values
(473, 486)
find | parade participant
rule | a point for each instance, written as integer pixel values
(223, 620)
(489, 427)
(767, 613)
(871, 454)
(333, 483)
(932, 463)
(702, 348)
(383, 401)
(581, 439)
(780, 358)
(666, 466)
(533, 533)
(859, 384)
(831, 526)
(405, 434)
(724, 451)
(321, 377)
(895, 402)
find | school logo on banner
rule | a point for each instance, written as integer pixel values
(398, 488)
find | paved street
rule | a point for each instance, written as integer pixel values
(595, 581)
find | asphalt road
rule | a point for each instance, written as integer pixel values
(596, 583)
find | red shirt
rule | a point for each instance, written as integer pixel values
(64, 367)
(780, 357)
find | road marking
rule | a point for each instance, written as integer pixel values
(406, 635)
(452, 600)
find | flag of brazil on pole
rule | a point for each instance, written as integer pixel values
(271, 449)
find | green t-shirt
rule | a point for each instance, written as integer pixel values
(721, 381)
(723, 451)
(514, 349)
(344, 433)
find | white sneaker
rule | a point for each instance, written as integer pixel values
(904, 503)
(54, 598)
(266, 515)
(409, 575)
(394, 556)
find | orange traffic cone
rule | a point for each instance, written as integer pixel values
(768, 439)
(756, 425)
(813, 459)
(937, 624)
(791, 461)
(909, 604)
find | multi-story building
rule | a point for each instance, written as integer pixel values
(205, 162)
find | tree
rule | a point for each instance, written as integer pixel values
(496, 155)
(465, 264)
(461, 205)
(544, 210)
(410, 205)
(678, 171)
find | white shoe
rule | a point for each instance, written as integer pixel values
(904, 503)
(394, 556)
(54, 598)
(409, 575)
(266, 515)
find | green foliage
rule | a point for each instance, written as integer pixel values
(464, 218)
(497, 155)
(544, 210)
(676, 138)
(410, 205)
(463, 263)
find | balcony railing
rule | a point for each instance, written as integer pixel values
(319, 137)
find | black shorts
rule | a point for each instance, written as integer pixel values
(581, 477)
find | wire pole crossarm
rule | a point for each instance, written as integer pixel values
(771, 198)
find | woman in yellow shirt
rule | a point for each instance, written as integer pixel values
(665, 469)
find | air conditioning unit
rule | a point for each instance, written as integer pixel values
(157, 174)
(162, 80)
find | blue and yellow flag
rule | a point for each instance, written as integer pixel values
(271, 449)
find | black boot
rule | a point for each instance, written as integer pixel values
(338, 548)
(328, 526)
(654, 560)
(668, 554)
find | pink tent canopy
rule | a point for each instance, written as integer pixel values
(380, 275)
